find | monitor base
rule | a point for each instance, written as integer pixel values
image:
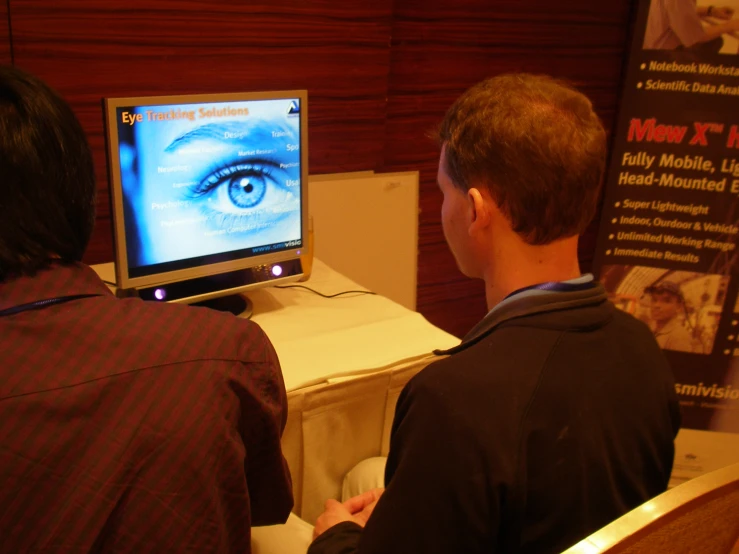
(188, 290)
(237, 304)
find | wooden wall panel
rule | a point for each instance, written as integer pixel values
(6, 56)
(380, 75)
(440, 48)
(339, 51)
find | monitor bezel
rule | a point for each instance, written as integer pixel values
(110, 105)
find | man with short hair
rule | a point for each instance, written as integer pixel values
(125, 426)
(557, 412)
(666, 307)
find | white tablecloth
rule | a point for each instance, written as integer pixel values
(318, 339)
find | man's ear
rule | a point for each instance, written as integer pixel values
(478, 210)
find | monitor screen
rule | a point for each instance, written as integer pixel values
(200, 183)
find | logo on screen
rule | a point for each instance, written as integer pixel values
(294, 108)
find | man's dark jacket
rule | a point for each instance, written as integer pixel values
(555, 416)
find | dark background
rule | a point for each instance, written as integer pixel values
(379, 75)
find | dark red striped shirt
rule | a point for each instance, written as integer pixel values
(128, 426)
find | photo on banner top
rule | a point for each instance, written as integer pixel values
(687, 25)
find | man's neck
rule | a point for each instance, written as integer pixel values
(523, 265)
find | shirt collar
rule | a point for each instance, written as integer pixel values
(53, 282)
(532, 291)
(565, 310)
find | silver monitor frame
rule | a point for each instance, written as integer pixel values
(123, 280)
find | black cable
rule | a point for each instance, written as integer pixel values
(109, 283)
(324, 295)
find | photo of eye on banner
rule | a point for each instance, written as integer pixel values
(667, 244)
(199, 185)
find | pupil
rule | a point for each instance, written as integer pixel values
(246, 191)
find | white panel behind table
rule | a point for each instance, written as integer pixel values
(366, 228)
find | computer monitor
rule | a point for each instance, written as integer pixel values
(208, 194)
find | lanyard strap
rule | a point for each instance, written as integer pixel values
(42, 304)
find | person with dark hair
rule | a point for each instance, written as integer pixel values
(41, 143)
(667, 308)
(557, 412)
(125, 426)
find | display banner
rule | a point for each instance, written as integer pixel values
(667, 245)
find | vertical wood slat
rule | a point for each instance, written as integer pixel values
(5, 46)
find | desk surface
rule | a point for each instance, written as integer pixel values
(319, 339)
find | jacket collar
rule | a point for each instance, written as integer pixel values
(559, 304)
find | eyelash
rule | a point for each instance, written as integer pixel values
(262, 168)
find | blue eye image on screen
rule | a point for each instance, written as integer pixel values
(204, 179)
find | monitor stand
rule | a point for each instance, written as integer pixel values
(237, 304)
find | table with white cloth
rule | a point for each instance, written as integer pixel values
(345, 361)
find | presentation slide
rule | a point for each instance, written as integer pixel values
(211, 178)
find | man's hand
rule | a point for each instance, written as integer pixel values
(357, 509)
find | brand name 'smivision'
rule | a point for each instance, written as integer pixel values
(714, 391)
